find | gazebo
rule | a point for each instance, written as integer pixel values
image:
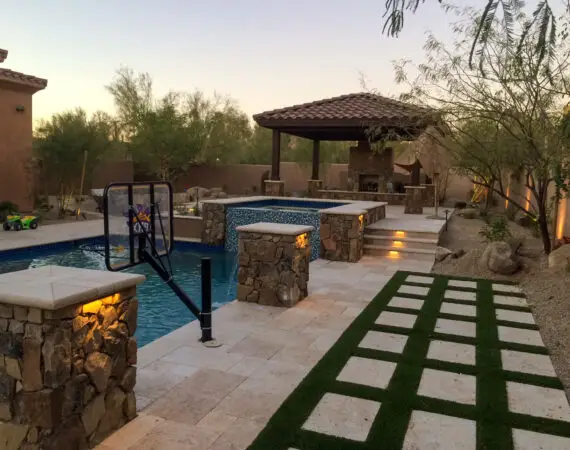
(353, 117)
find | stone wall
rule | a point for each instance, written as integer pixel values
(342, 236)
(375, 214)
(67, 376)
(390, 198)
(214, 220)
(274, 188)
(273, 268)
(414, 200)
(313, 188)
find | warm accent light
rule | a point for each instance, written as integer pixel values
(361, 220)
(393, 254)
(400, 234)
(561, 220)
(507, 200)
(527, 198)
(302, 241)
(398, 244)
(92, 307)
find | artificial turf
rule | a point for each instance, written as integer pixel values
(493, 418)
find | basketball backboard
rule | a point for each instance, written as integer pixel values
(136, 216)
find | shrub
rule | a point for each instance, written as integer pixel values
(496, 230)
(7, 208)
(460, 205)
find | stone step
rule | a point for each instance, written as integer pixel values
(382, 250)
(396, 243)
(401, 234)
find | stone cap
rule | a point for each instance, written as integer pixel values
(55, 287)
(415, 187)
(275, 228)
(354, 208)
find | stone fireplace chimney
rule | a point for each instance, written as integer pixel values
(369, 171)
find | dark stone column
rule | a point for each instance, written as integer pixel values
(276, 155)
(316, 159)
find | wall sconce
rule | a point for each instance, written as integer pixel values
(20, 108)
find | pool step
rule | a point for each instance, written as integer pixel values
(400, 243)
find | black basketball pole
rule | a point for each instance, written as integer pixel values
(206, 314)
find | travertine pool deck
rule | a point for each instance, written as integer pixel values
(190, 397)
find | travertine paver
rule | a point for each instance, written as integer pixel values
(457, 327)
(430, 431)
(396, 319)
(455, 387)
(406, 302)
(369, 372)
(459, 310)
(389, 342)
(339, 415)
(538, 401)
(452, 352)
(530, 440)
(527, 363)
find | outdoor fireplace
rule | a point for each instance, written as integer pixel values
(368, 182)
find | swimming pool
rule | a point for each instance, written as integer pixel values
(160, 311)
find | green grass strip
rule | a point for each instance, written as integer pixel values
(491, 414)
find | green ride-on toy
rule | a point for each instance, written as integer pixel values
(18, 223)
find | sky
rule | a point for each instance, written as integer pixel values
(264, 54)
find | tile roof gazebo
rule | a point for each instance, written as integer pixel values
(353, 117)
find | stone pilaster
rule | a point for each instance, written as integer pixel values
(274, 188)
(342, 236)
(314, 186)
(273, 263)
(414, 200)
(67, 364)
(429, 195)
(214, 217)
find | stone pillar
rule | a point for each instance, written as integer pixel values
(67, 356)
(274, 188)
(273, 263)
(429, 195)
(342, 235)
(414, 200)
(314, 186)
(214, 217)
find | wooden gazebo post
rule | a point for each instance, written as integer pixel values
(275, 187)
(315, 184)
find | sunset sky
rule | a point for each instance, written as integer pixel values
(264, 54)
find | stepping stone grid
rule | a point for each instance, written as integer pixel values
(432, 362)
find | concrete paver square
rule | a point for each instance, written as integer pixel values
(429, 431)
(520, 336)
(456, 327)
(462, 284)
(509, 300)
(497, 287)
(538, 401)
(514, 316)
(455, 387)
(460, 295)
(459, 310)
(419, 279)
(368, 372)
(396, 319)
(414, 290)
(452, 352)
(527, 363)
(531, 440)
(388, 342)
(339, 415)
(405, 302)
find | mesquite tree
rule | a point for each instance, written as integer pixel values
(504, 122)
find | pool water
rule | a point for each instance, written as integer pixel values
(160, 311)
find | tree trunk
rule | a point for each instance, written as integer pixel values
(543, 227)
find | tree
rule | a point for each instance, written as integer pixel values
(505, 124)
(541, 28)
(63, 142)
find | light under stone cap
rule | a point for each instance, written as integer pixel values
(55, 287)
(275, 228)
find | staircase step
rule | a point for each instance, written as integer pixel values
(370, 249)
(401, 235)
(400, 243)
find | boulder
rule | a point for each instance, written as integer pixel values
(559, 257)
(441, 253)
(524, 220)
(515, 243)
(468, 213)
(197, 192)
(458, 254)
(498, 257)
(93, 413)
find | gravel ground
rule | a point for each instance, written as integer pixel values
(547, 289)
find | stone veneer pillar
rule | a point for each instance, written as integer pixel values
(274, 188)
(314, 186)
(342, 235)
(273, 263)
(414, 200)
(214, 216)
(67, 356)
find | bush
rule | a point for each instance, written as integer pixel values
(460, 205)
(7, 208)
(496, 230)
